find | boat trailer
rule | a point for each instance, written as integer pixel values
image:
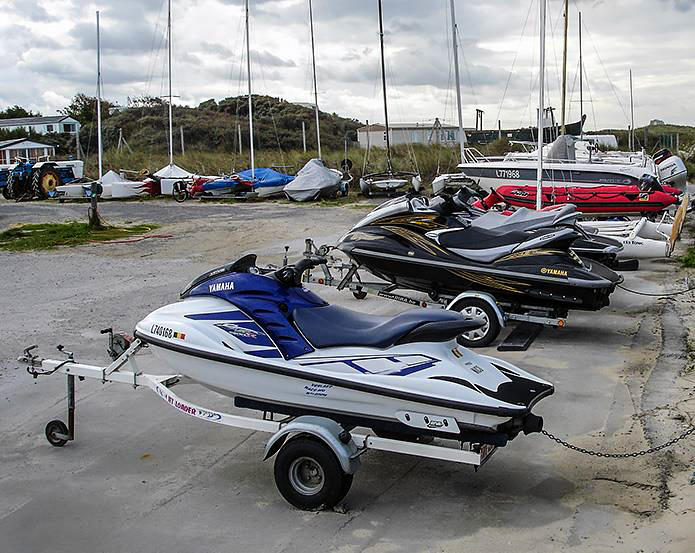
(343, 275)
(311, 452)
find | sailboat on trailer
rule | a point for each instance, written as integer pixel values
(389, 180)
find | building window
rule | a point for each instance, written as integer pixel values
(68, 127)
(49, 128)
(450, 136)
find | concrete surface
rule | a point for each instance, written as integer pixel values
(142, 477)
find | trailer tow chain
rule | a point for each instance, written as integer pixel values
(649, 451)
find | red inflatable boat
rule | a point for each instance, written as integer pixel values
(598, 200)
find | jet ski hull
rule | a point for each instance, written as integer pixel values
(461, 393)
(541, 277)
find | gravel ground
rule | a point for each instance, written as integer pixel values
(142, 477)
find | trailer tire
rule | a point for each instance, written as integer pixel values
(9, 190)
(309, 476)
(53, 429)
(6, 192)
(477, 308)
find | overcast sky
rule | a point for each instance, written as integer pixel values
(49, 54)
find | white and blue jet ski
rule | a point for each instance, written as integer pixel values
(261, 338)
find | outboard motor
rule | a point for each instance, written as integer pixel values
(649, 183)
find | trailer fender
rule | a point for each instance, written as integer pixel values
(489, 298)
(327, 431)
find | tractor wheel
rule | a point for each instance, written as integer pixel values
(45, 182)
(7, 190)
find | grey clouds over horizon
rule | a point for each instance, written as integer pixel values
(51, 55)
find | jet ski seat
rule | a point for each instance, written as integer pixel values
(333, 326)
(524, 219)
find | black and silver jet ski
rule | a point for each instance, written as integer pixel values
(424, 247)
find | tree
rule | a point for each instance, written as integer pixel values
(84, 108)
(145, 102)
(14, 112)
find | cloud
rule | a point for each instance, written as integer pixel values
(53, 50)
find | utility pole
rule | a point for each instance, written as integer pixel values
(541, 101)
(565, 15)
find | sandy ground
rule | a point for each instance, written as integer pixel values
(142, 477)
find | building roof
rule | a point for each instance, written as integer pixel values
(19, 121)
(7, 144)
(407, 126)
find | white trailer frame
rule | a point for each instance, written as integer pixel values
(348, 448)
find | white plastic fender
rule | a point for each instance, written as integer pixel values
(489, 298)
(326, 430)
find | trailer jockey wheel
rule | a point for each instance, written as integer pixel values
(57, 433)
(359, 293)
(474, 308)
(309, 476)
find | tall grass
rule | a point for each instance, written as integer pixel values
(429, 161)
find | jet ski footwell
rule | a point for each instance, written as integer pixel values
(345, 445)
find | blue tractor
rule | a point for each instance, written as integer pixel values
(27, 180)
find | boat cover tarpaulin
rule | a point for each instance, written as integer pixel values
(265, 178)
(313, 181)
(172, 171)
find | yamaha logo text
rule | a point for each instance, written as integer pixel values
(221, 286)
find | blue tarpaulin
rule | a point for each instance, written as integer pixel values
(266, 178)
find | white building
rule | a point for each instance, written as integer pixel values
(42, 125)
(24, 148)
(408, 133)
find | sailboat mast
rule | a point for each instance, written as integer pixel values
(632, 117)
(581, 82)
(462, 136)
(248, 71)
(541, 101)
(383, 86)
(565, 15)
(171, 124)
(316, 94)
(100, 145)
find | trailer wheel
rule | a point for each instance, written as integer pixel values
(6, 192)
(55, 430)
(9, 190)
(474, 308)
(359, 294)
(309, 476)
(180, 191)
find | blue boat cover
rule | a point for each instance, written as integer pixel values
(266, 177)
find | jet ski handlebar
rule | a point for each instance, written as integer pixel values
(291, 275)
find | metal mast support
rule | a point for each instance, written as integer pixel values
(565, 14)
(248, 70)
(541, 100)
(100, 145)
(383, 86)
(171, 124)
(632, 117)
(316, 94)
(581, 82)
(462, 136)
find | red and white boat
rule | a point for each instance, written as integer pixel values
(600, 200)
